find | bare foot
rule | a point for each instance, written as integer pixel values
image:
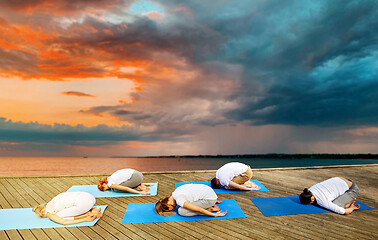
(350, 204)
(96, 212)
(99, 214)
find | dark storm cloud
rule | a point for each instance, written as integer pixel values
(303, 62)
(318, 68)
(141, 38)
(65, 134)
(313, 66)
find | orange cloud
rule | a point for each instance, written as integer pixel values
(23, 37)
(137, 144)
(58, 7)
(156, 16)
(78, 94)
(132, 101)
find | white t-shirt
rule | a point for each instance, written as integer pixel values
(230, 170)
(327, 191)
(62, 201)
(120, 176)
(192, 193)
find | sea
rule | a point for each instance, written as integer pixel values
(22, 166)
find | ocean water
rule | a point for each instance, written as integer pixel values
(18, 166)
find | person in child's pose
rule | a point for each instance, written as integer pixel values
(336, 194)
(193, 199)
(69, 208)
(125, 180)
(234, 175)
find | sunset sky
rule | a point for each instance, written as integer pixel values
(137, 78)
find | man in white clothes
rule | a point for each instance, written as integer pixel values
(234, 175)
(336, 194)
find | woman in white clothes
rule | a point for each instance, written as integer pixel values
(125, 180)
(336, 194)
(193, 199)
(234, 175)
(69, 208)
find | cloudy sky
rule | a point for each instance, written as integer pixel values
(137, 78)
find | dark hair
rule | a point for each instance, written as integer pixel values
(215, 183)
(305, 196)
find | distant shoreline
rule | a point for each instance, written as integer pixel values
(272, 155)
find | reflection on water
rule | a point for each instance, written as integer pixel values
(16, 166)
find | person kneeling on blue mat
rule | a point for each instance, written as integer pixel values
(234, 175)
(193, 199)
(336, 194)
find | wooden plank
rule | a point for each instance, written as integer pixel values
(26, 234)
(359, 225)
(13, 234)
(3, 202)
(45, 234)
(77, 233)
(3, 235)
(7, 194)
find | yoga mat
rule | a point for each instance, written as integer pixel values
(277, 206)
(25, 218)
(223, 190)
(92, 189)
(145, 213)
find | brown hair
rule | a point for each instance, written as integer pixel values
(162, 208)
(38, 209)
(101, 183)
(215, 183)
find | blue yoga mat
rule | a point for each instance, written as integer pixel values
(92, 189)
(277, 206)
(25, 218)
(222, 190)
(145, 213)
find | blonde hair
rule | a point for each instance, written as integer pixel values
(101, 183)
(162, 207)
(38, 209)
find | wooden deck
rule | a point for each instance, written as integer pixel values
(24, 192)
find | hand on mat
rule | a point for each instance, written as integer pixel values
(143, 188)
(145, 193)
(255, 187)
(148, 184)
(356, 206)
(219, 201)
(214, 208)
(251, 185)
(220, 214)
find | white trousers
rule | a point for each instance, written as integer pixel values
(84, 203)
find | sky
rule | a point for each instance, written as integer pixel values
(148, 78)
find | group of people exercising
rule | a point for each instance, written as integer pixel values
(336, 194)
